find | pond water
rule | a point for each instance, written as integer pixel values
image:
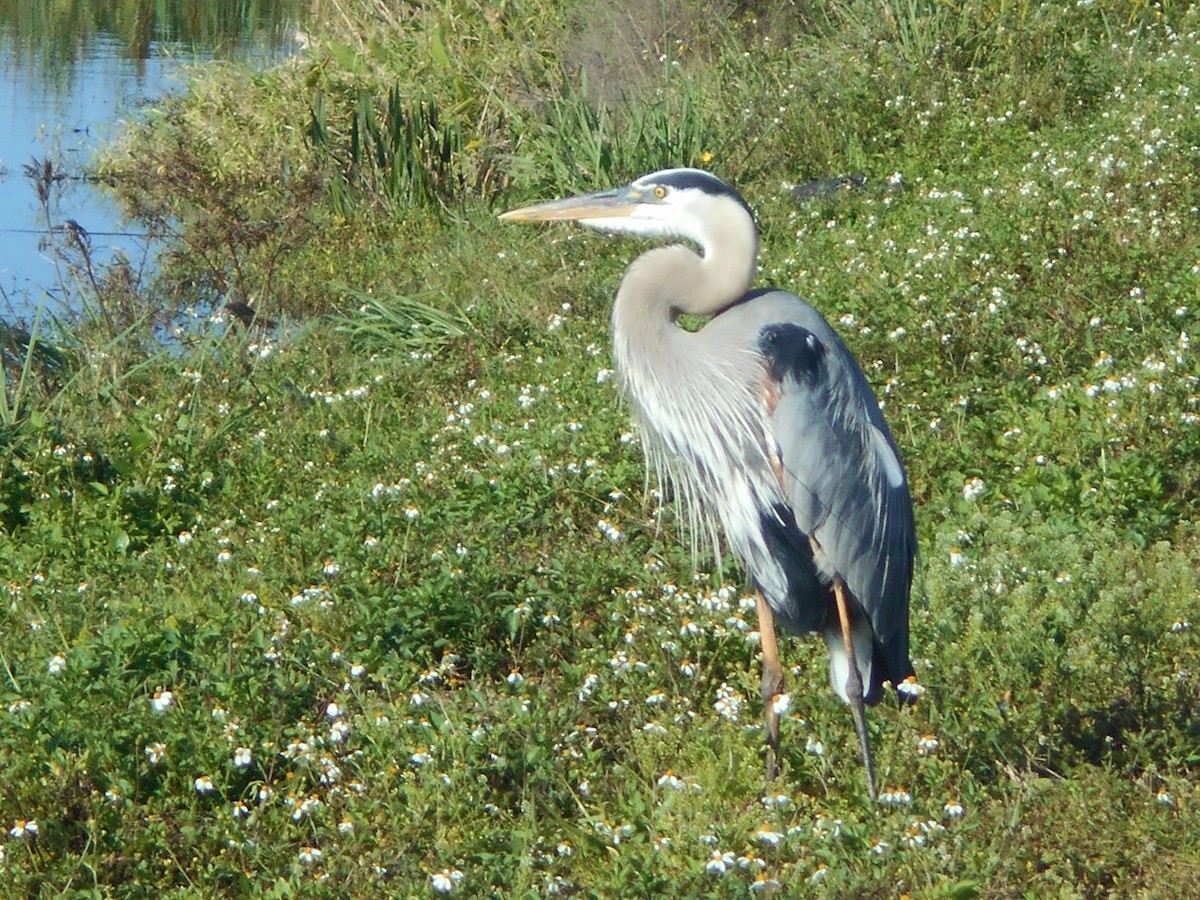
(71, 74)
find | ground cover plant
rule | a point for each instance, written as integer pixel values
(374, 599)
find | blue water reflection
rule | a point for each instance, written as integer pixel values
(62, 109)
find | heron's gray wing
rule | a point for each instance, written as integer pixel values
(842, 474)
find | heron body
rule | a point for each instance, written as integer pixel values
(766, 424)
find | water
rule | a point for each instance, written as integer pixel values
(67, 83)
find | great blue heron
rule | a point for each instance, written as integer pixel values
(763, 419)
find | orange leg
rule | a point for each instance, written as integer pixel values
(854, 685)
(772, 682)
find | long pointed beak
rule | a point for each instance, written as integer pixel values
(612, 204)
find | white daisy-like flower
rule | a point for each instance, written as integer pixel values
(204, 785)
(24, 828)
(162, 701)
(973, 489)
(769, 836)
(927, 743)
(57, 663)
(446, 880)
(895, 797)
(719, 863)
(242, 757)
(764, 884)
(670, 780)
(309, 855)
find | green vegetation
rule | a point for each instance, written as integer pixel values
(376, 601)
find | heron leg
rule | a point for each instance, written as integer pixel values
(772, 682)
(854, 685)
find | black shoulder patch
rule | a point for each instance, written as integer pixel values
(792, 350)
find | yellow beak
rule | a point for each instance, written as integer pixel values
(614, 204)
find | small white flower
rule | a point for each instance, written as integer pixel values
(333, 710)
(670, 780)
(769, 836)
(242, 757)
(421, 757)
(24, 828)
(813, 746)
(412, 513)
(1164, 797)
(446, 880)
(57, 663)
(185, 537)
(953, 809)
(156, 753)
(338, 731)
(332, 569)
(910, 687)
(204, 785)
(972, 489)
(781, 703)
(719, 863)
(162, 701)
(309, 855)
(895, 797)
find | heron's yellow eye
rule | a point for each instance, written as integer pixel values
(660, 192)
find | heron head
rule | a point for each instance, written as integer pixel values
(672, 203)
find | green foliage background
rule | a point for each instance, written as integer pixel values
(422, 622)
